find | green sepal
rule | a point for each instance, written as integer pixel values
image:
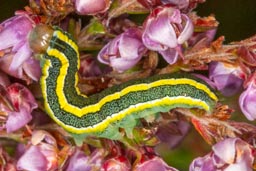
(79, 138)
(95, 27)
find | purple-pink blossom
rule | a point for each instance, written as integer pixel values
(91, 7)
(154, 163)
(165, 30)
(82, 162)
(227, 78)
(33, 159)
(124, 51)
(41, 154)
(231, 154)
(120, 163)
(181, 4)
(89, 68)
(17, 58)
(22, 102)
(202, 39)
(247, 100)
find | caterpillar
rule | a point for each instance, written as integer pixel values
(120, 106)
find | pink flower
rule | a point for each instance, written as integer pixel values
(165, 30)
(91, 7)
(247, 100)
(202, 38)
(81, 162)
(41, 155)
(155, 163)
(23, 103)
(231, 154)
(124, 51)
(33, 159)
(89, 68)
(181, 4)
(120, 163)
(227, 78)
(17, 58)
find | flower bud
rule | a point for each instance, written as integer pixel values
(247, 101)
(231, 154)
(14, 43)
(80, 161)
(227, 78)
(91, 7)
(41, 153)
(124, 51)
(165, 30)
(23, 102)
(155, 163)
(118, 163)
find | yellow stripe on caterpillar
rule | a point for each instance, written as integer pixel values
(96, 107)
(132, 109)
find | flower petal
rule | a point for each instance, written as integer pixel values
(170, 55)
(180, 3)
(110, 49)
(156, 164)
(247, 101)
(80, 162)
(121, 64)
(22, 55)
(16, 120)
(86, 7)
(226, 150)
(202, 164)
(32, 160)
(21, 97)
(228, 84)
(130, 47)
(32, 68)
(159, 33)
(120, 163)
(124, 51)
(231, 154)
(238, 166)
(227, 78)
(5, 66)
(15, 30)
(187, 31)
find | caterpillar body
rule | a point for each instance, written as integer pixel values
(117, 107)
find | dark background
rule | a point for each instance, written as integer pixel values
(237, 17)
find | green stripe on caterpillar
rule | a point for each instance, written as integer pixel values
(104, 113)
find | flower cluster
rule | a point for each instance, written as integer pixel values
(229, 154)
(17, 57)
(166, 20)
(115, 47)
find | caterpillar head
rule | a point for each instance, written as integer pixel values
(39, 38)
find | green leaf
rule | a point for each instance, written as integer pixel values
(96, 27)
